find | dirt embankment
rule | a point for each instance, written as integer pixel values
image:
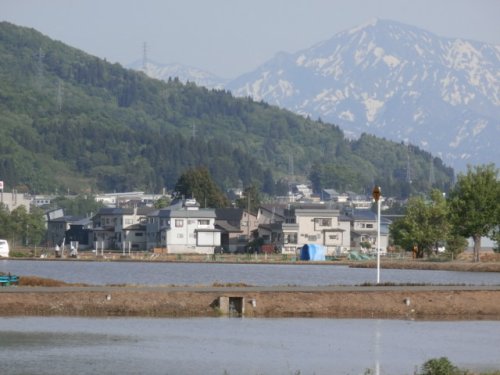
(43, 297)
(401, 303)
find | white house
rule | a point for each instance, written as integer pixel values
(291, 227)
(183, 228)
(364, 230)
(323, 226)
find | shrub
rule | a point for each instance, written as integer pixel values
(439, 366)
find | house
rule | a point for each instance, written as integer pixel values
(359, 201)
(80, 233)
(57, 228)
(237, 228)
(334, 196)
(323, 226)
(183, 228)
(293, 226)
(364, 230)
(120, 228)
(13, 200)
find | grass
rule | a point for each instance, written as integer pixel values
(40, 281)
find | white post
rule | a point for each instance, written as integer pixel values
(378, 241)
(377, 194)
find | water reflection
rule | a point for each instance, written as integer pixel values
(240, 346)
(251, 274)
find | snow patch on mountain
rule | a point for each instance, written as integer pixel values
(395, 81)
(386, 78)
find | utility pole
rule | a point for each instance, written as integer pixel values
(377, 192)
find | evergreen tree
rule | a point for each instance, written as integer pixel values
(197, 183)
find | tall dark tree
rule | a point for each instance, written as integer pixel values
(250, 199)
(197, 183)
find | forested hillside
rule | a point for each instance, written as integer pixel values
(69, 120)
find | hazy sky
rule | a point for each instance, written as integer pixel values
(231, 37)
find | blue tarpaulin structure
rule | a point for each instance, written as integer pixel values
(312, 252)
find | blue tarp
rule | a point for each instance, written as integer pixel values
(312, 252)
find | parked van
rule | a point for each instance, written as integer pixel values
(4, 248)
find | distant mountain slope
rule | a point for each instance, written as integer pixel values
(387, 79)
(69, 120)
(182, 72)
(394, 81)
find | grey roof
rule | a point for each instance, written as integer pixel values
(226, 227)
(124, 210)
(68, 219)
(207, 213)
(229, 214)
(366, 214)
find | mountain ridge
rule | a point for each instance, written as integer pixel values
(395, 81)
(72, 121)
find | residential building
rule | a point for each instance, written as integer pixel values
(66, 229)
(364, 230)
(120, 228)
(237, 228)
(292, 226)
(14, 200)
(183, 228)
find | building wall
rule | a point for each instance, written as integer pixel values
(181, 235)
(14, 200)
(315, 227)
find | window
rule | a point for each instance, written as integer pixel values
(333, 236)
(191, 221)
(203, 222)
(179, 223)
(290, 238)
(311, 237)
(138, 234)
(180, 235)
(369, 225)
(323, 222)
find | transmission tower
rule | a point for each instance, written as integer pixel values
(290, 165)
(39, 68)
(431, 174)
(145, 57)
(60, 93)
(408, 166)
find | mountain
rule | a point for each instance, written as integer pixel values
(184, 73)
(388, 79)
(394, 81)
(72, 121)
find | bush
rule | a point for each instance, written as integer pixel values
(439, 366)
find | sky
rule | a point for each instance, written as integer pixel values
(232, 37)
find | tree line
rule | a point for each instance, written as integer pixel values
(471, 210)
(69, 120)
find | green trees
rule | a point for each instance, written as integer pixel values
(472, 210)
(197, 183)
(475, 204)
(82, 205)
(119, 130)
(250, 200)
(20, 227)
(424, 224)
